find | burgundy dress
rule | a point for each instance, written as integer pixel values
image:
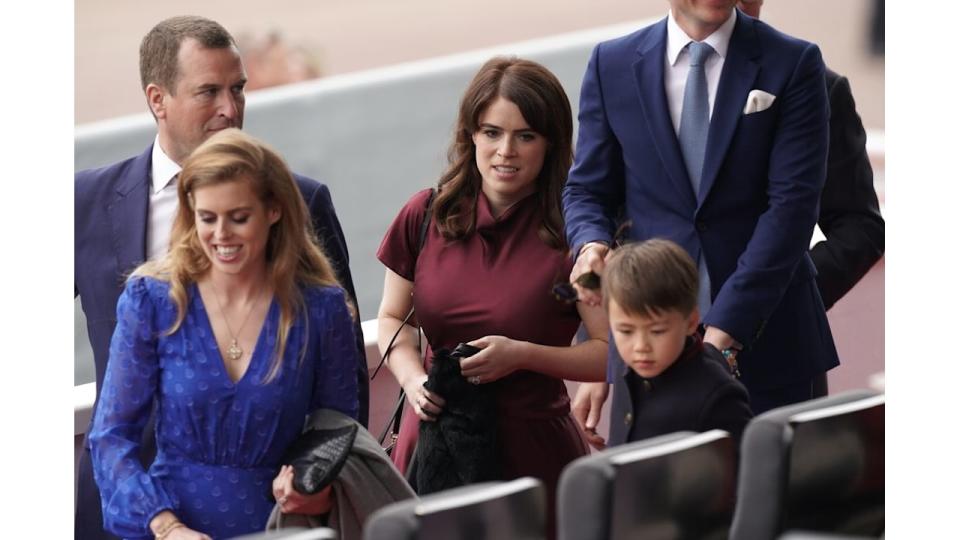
(495, 282)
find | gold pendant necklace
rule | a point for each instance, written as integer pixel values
(234, 351)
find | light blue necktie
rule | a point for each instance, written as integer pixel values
(694, 125)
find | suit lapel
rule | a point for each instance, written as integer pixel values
(739, 73)
(648, 71)
(127, 212)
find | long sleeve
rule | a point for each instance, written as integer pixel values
(594, 193)
(781, 237)
(849, 211)
(335, 387)
(130, 497)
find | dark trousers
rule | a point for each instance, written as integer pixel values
(88, 521)
(771, 398)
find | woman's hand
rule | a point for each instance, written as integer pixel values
(166, 526)
(499, 357)
(426, 404)
(185, 533)
(292, 501)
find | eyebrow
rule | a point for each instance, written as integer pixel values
(231, 211)
(494, 126)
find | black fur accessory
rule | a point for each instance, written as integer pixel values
(460, 447)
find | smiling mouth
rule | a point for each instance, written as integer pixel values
(226, 253)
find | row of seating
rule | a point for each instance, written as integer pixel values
(813, 470)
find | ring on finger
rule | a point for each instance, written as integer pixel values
(475, 379)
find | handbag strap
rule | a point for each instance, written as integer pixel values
(394, 424)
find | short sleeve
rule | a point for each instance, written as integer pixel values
(130, 497)
(398, 250)
(335, 379)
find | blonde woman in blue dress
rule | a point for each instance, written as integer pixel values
(235, 336)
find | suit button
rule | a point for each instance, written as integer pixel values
(646, 385)
(628, 419)
(701, 226)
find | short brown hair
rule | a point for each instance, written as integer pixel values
(651, 277)
(159, 50)
(544, 105)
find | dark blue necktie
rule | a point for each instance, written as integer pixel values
(694, 125)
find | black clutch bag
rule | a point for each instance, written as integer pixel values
(318, 455)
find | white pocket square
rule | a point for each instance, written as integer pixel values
(758, 101)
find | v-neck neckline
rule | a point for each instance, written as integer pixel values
(254, 356)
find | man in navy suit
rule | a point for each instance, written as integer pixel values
(193, 79)
(745, 212)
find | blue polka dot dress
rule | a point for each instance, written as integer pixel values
(219, 442)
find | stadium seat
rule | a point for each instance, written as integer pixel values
(675, 486)
(807, 535)
(293, 533)
(487, 511)
(816, 466)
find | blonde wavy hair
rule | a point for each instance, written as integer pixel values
(294, 258)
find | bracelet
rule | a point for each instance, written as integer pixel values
(165, 531)
(730, 355)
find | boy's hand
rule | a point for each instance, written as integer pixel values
(587, 408)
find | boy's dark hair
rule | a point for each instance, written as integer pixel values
(651, 277)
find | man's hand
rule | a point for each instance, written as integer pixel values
(587, 407)
(720, 339)
(592, 258)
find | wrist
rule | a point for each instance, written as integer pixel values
(162, 520)
(413, 381)
(164, 523)
(596, 244)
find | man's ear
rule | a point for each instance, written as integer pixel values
(157, 100)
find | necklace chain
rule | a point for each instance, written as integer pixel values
(234, 352)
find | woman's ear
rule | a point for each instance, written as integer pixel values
(274, 214)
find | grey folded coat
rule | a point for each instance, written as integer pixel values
(367, 482)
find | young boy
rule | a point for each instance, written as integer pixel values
(674, 382)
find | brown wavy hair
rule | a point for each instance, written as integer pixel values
(294, 258)
(545, 107)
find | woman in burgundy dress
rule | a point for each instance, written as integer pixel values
(493, 250)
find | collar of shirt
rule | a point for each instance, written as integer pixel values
(163, 169)
(677, 39)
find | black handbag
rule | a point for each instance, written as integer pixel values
(318, 455)
(393, 425)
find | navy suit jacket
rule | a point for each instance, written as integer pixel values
(110, 226)
(849, 211)
(760, 187)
